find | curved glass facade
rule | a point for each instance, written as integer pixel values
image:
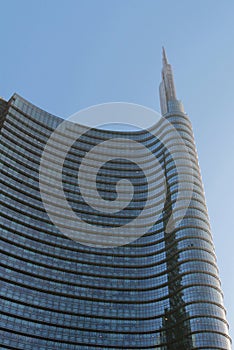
(159, 292)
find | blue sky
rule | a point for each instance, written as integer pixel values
(67, 55)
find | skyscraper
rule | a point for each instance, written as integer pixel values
(161, 291)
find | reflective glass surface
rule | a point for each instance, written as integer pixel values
(159, 292)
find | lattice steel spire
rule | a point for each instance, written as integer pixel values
(167, 87)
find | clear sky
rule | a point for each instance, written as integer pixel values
(70, 54)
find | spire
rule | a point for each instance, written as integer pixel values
(167, 87)
(167, 77)
(164, 56)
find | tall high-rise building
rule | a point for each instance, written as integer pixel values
(161, 291)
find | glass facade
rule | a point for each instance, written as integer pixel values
(159, 292)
